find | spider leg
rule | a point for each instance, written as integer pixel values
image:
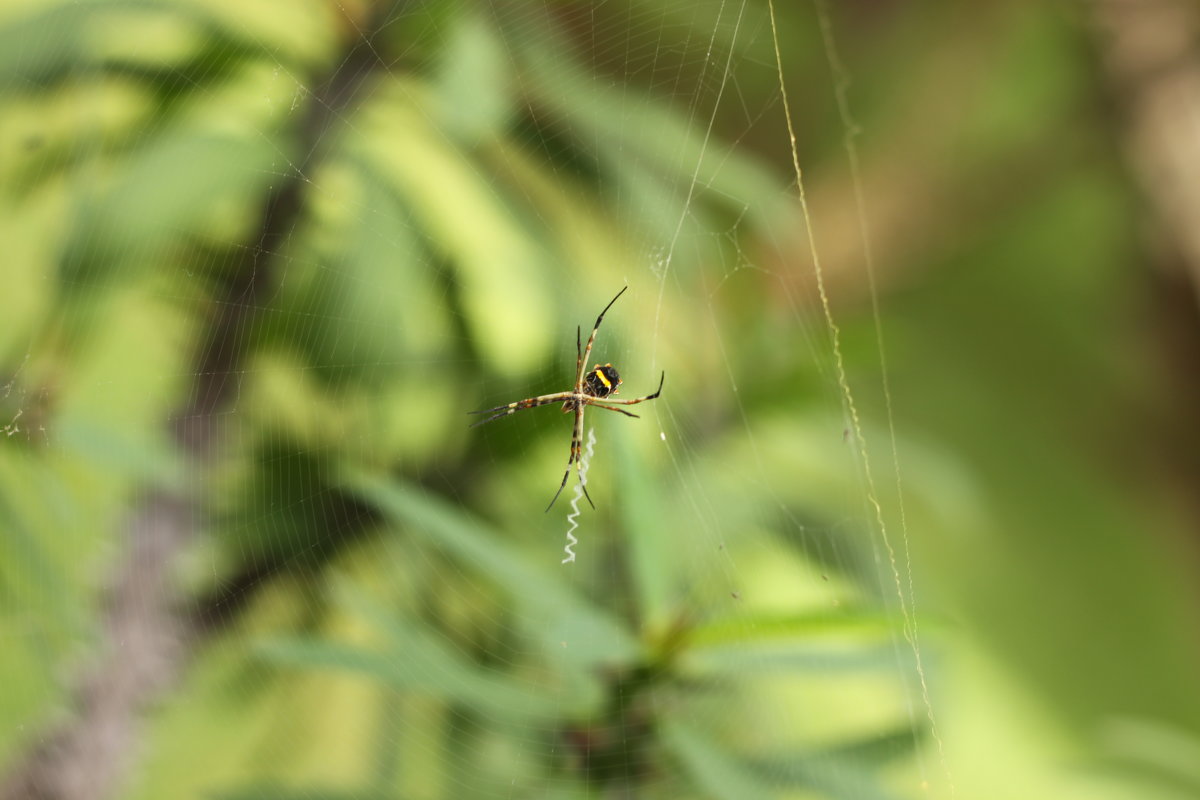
(574, 458)
(587, 351)
(610, 408)
(512, 408)
(578, 361)
(637, 400)
(577, 444)
(582, 485)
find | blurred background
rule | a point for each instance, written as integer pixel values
(915, 516)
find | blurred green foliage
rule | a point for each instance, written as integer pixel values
(262, 258)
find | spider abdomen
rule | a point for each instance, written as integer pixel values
(601, 381)
(590, 387)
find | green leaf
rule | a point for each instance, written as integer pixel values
(758, 628)
(415, 661)
(64, 38)
(565, 623)
(166, 190)
(473, 99)
(714, 772)
(43, 45)
(500, 265)
(647, 537)
(845, 771)
(276, 791)
(623, 128)
(878, 749)
(134, 453)
(813, 642)
(740, 661)
(34, 507)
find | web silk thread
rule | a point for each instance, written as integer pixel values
(573, 517)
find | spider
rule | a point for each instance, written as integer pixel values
(590, 387)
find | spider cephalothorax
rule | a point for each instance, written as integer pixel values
(599, 384)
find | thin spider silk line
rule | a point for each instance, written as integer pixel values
(691, 192)
(573, 517)
(906, 612)
(850, 126)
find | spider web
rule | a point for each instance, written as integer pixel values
(393, 223)
(268, 256)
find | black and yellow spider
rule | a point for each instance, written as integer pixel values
(590, 387)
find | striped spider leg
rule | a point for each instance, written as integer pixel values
(582, 358)
(520, 405)
(599, 384)
(607, 377)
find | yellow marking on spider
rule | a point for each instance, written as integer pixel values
(587, 392)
